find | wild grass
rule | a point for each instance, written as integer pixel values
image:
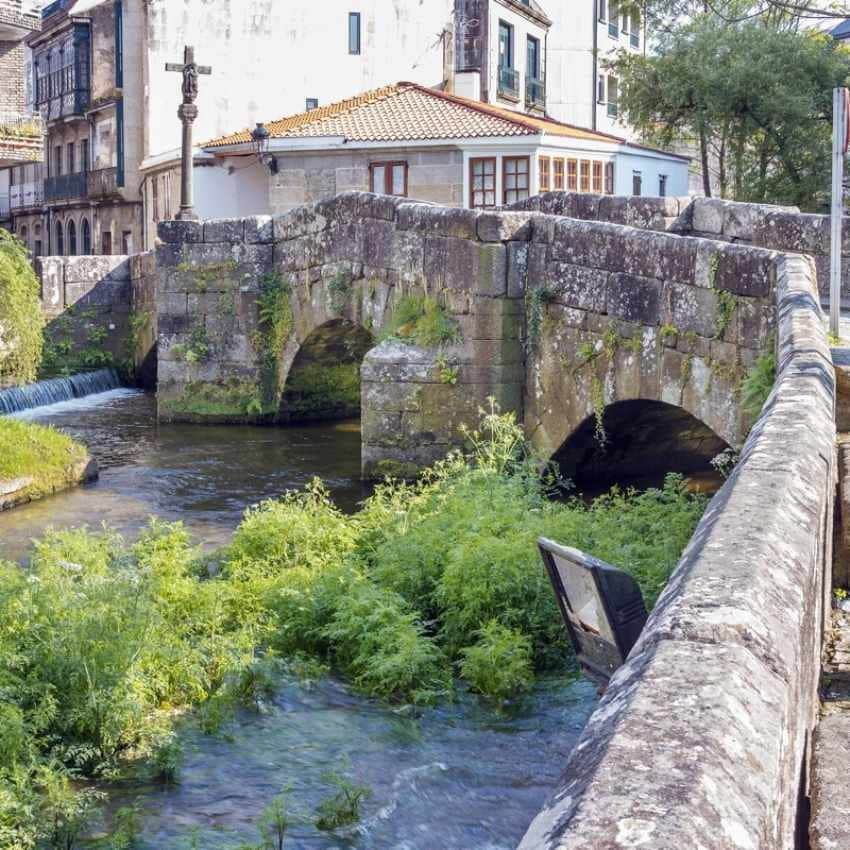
(423, 321)
(103, 644)
(31, 451)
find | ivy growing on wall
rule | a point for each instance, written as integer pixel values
(21, 320)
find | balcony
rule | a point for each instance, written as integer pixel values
(23, 195)
(535, 93)
(17, 19)
(66, 187)
(509, 83)
(20, 138)
(103, 183)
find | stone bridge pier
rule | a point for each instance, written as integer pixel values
(555, 318)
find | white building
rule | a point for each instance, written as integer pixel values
(585, 35)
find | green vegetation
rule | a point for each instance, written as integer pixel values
(230, 399)
(196, 349)
(758, 383)
(46, 458)
(761, 117)
(535, 311)
(274, 325)
(316, 389)
(423, 321)
(21, 320)
(104, 644)
(343, 808)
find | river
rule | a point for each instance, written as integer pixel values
(457, 777)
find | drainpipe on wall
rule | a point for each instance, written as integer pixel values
(595, 69)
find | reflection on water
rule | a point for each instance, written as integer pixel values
(458, 777)
(203, 475)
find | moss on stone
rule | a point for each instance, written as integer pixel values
(225, 401)
(319, 391)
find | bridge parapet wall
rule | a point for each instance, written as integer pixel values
(702, 737)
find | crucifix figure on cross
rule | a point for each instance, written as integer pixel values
(187, 113)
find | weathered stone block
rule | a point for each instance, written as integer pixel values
(745, 271)
(438, 221)
(707, 215)
(106, 293)
(635, 299)
(645, 213)
(224, 230)
(691, 309)
(518, 263)
(179, 232)
(51, 271)
(259, 229)
(505, 226)
(91, 269)
(794, 232)
(300, 221)
(576, 286)
(585, 243)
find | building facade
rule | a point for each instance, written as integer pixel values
(20, 127)
(85, 70)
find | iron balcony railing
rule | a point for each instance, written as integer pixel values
(16, 125)
(66, 187)
(509, 82)
(535, 92)
(103, 182)
(5, 206)
(23, 195)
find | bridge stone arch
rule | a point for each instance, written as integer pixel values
(556, 317)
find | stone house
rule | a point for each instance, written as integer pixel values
(412, 141)
(20, 127)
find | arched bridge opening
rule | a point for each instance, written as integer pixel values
(636, 443)
(323, 382)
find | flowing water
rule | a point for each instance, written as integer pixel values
(457, 777)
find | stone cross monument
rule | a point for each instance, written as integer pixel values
(187, 113)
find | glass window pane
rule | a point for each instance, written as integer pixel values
(398, 179)
(378, 179)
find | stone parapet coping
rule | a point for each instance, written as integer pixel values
(701, 739)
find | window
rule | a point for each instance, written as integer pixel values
(506, 45)
(84, 155)
(72, 238)
(155, 198)
(60, 240)
(312, 103)
(600, 89)
(38, 248)
(532, 62)
(22, 232)
(602, 10)
(515, 179)
(127, 242)
(558, 174)
(71, 158)
(354, 33)
(572, 175)
(609, 178)
(482, 183)
(624, 26)
(612, 96)
(57, 160)
(388, 178)
(637, 183)
(106, 242)
(613, 21)
(86, 232)
(662, 185)
(635, 36)
(585, 175)
(597, 177)
(545, 173)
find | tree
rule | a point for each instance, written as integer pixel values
(756, 97)
(21, 319)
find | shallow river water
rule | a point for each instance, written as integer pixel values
(457, 777)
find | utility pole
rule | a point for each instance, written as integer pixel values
(840, 141)
(187, 113)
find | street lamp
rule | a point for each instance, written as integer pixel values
(602, 607)
(260, 136)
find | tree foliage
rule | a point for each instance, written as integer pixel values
(21, 320)
(755, 97)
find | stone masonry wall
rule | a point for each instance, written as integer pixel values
(556, 316)
(702, 738)
(100, 311)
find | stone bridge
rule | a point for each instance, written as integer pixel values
(582, 327)
(596, 327)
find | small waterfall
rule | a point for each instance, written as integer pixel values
(54, 390)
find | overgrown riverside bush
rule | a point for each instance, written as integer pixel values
(103, 644)
(21, 319)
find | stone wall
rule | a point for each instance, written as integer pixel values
(703, 736)
(555, 317)
(100, 311)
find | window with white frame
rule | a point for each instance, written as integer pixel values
(612, 95)
(602, 10)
